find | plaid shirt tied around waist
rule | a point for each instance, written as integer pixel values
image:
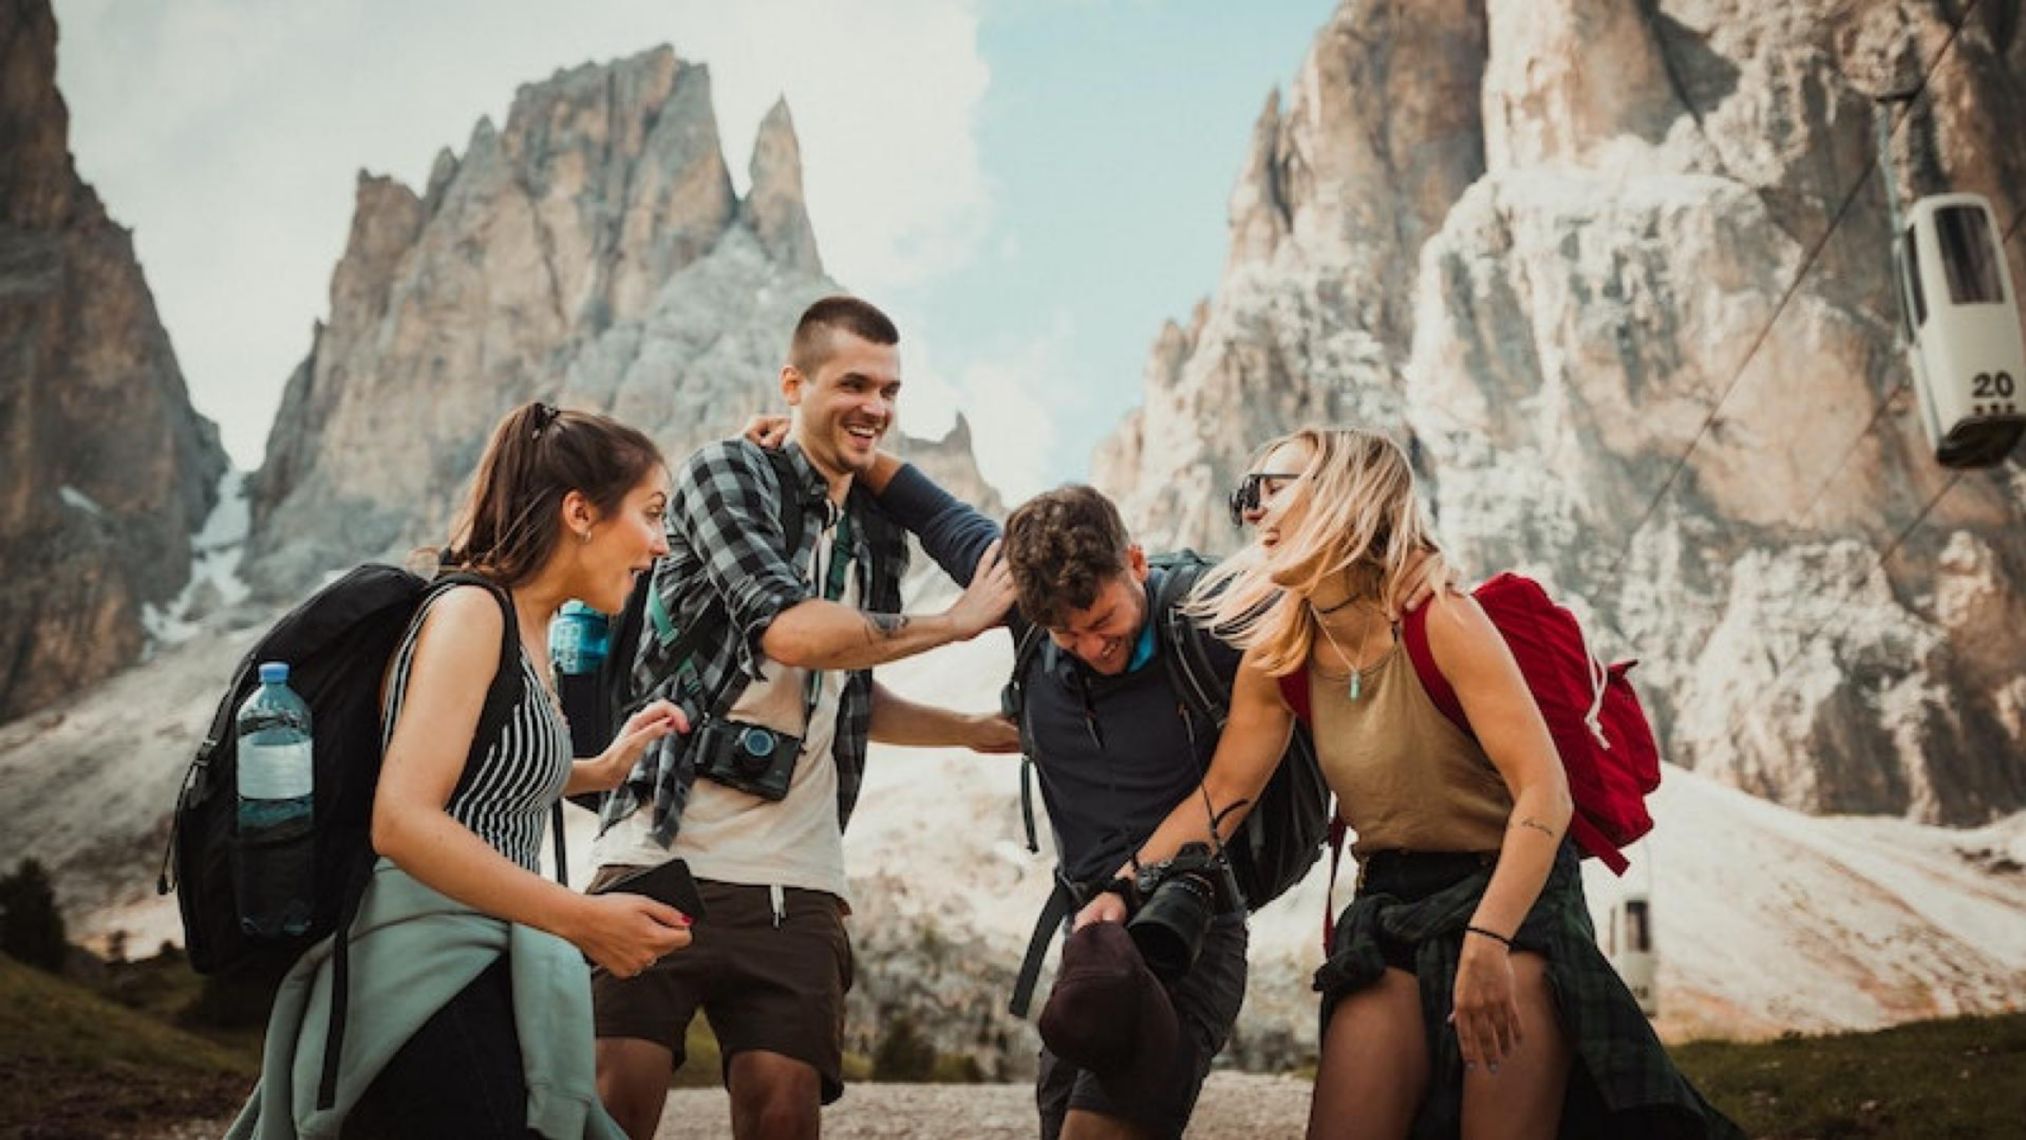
(727, 547)
(1627, 1086)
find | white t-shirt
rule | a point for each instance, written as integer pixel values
(730, 836)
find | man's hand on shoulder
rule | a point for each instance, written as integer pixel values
(992, 734)
(768, 429)
(984, 603)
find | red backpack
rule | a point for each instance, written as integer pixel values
(1602, 734)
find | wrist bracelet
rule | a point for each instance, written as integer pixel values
(1491, 934)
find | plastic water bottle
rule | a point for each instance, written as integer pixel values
(578, 641)
(275, 849)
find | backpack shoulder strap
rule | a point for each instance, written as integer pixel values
(1013, 705)
(1062, 902)
(1294, 690)
(1013, 700)
(1414, 637)
(787, 481)
(1187, 657)
(507, 687)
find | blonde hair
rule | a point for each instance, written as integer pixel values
(1364, 527)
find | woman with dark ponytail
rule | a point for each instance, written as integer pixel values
(565, 505)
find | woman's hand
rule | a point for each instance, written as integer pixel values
(654, 721)
(641, 729)
(1486, 1016)
(626, 933)
(766, 429)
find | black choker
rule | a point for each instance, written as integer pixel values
(1334, 608)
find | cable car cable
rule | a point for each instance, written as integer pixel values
(1807, 511)
(1807, 266)
(1878, 564)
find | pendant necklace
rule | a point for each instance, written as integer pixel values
(1357, 678)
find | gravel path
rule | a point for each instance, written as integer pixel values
(1234, 1106)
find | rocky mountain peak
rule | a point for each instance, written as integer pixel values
(591, 252)
(774, 206)
(105, 469)
(36, 181)
(1259, 212)
(1616, 269)
(1378, 135)
(952, 464)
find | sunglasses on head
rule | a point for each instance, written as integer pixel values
(1246, 495)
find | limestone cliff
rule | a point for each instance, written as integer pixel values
(105, 469)
(1619, 272)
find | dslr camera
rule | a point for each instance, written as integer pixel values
(1178, 898)
(749, 757)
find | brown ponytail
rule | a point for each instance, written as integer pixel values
(538, 454)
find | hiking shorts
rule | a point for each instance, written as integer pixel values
(1206, 1004)
(765, 986)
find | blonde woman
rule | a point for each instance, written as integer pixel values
(1464, 992)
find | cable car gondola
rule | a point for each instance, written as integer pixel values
(1961, 324)
(1628, 943)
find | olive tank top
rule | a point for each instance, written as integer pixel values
(1406, 778)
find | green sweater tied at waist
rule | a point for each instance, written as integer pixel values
(412, 950)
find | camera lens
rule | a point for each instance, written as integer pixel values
(756, 751)
(1169, 928)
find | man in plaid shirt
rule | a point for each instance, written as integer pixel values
(778, 682)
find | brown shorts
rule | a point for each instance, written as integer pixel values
(767, 987)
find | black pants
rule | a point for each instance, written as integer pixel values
(459, 1075)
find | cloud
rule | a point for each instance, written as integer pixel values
(228, 133)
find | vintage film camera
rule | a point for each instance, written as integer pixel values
(749, 757)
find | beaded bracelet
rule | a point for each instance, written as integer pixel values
(1491, 934)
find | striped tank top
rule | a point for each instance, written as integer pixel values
(505, 801)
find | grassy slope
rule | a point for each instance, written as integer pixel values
(75, 1064)
(1959, 1078)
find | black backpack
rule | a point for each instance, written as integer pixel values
(1281, 838)
(597, 705)
(337, 644)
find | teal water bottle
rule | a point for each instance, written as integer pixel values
(275, 849)
(579, 639)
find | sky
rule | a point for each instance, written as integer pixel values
(1030, 187)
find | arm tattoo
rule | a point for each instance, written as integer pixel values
(884, 627)
(1537, 825)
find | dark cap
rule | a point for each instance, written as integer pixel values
(1109, 1016)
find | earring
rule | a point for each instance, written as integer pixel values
(584, 536)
